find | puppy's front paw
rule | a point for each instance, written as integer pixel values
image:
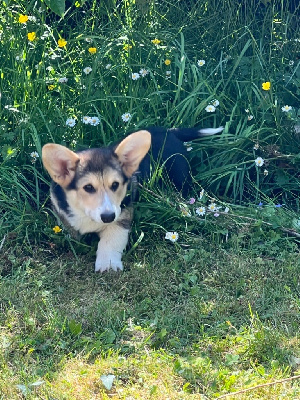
(105, 263)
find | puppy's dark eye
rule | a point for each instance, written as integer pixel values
(89, 188)
(114, 186)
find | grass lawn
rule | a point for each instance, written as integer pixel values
(178, 323)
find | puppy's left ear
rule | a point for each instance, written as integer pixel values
(132, 150)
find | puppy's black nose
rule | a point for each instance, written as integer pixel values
(108, 217)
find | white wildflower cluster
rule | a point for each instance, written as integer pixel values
(249, 116)
(201, 210)
(212, 106)
(94, 121)
(142, 73)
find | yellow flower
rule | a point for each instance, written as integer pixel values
(266, 85)
(31, 36)
(61, 42)
(155, 41)
(51, 87)
(127, 46)
(167, 62)
(92, 50)
(57, 229)
(23, 19)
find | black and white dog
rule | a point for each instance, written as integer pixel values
(89, 186)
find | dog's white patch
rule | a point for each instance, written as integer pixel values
(106, 207)
(113, 240)
(211, 131)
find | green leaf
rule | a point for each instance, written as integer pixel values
(57, 6)
(75, 327)
(108, 337)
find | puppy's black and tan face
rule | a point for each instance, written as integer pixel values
(94, 181)
(99, 185)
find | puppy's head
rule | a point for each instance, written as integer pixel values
(95, 180)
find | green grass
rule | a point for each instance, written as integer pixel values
(189, 322)
(217, 311)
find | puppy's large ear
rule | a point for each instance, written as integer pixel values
(60, 162)
(132, 150)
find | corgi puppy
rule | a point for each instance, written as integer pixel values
(89, 187)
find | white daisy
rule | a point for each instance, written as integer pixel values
(135, 76)
(94, 121)
(210, 108)
(286, 108)
(63, 80)
(200, 63)
(126, 117)
(212, 207)
(86, 120)
(173, 236)
(259, 162)
(215, 103)
(70, 122)
(34, 155)
(250, 117)
(143, 72)
(201, 194)
(87, 70)
(108, 66)
(226, 210)
(200, 211)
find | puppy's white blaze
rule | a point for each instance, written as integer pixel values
(106, 207)
(210, 131)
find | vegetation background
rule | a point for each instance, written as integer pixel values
(213, 313)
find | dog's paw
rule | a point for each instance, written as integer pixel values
(104, 264)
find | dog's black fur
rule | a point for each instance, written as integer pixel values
(168, 149)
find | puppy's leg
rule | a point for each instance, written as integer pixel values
(113, 240)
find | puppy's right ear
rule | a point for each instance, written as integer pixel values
(60, 162)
